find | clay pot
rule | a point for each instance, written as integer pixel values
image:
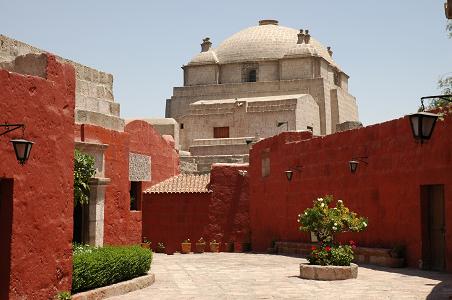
(185, 248)
(199, 247)
(146, 246)
(214, 247)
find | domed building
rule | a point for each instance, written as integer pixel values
(260, 81)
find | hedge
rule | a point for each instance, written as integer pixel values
(97, 267)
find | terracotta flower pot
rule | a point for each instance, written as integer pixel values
(146, 245)
(185, 248)
(214, 247)
(229, 247)
(199, 247)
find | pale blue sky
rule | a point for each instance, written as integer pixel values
(393, 50)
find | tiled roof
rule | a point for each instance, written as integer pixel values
(183, 183)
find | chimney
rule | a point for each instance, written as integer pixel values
(268, 22)
(300, 37)
(205, 46)
(330, 52)
(307, 36)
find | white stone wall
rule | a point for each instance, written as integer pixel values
(250, 117)
(201, 75)
(297, 68)
(94, 101)
(308, 115)
(231, 73)
(268, 71)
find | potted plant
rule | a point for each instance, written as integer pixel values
(397, 256)
(214, 246)
(325, 222)
(146, 243)
(160, 248)
(200, 246)
(186, 246)
(229, 247)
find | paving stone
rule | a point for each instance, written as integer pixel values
(262, 276)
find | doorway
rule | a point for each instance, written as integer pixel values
(6, 222)
(433, 227)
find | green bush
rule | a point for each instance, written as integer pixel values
(83, 170)
(97, 267)
(335, 255)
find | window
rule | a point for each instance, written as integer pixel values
(181, 126)
(250, 72)
(135, 195)
(220, 132)
(337, 78)
(252, 76)
(265, 166)
(265, 162)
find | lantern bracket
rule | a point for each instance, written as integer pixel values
(11, 127)
(442, 97)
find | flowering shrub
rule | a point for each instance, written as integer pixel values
(341, 255)
(325, 222)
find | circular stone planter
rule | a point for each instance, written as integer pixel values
(317, 272)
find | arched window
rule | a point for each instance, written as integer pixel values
(252, 76)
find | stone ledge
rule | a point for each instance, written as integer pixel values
(116, 289)
(316, 272)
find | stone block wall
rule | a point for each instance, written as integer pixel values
(252, 117)
(94, 102)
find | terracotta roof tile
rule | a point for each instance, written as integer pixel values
(182, 183)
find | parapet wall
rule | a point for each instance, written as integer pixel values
(94, 101)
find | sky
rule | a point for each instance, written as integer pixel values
(393, 50)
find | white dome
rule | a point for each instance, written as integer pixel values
(268, 41)
(207, 57)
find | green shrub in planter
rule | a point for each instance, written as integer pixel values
(97, 267)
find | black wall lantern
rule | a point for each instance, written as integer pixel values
(22, 147)
(354, 163)
(289, 173)
(422, 123)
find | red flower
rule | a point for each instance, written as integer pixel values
(313, 248)
(328, 248)
(352, 243)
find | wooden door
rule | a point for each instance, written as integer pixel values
(6, 219)
(433, 227)
(220, 132)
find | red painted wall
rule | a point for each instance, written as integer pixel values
(121, 226)
(42, 200)
(173, 217)
(387, 190)
(222, 215)
(144, 139)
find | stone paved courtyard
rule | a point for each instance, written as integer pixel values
(261, 276)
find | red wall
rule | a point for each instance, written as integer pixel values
(144, 139)
(387, 190)
(42, 199)
(222, 215)
(173, 217)
(121, 226)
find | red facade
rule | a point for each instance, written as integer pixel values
(221, 214)
(36, 199)
(387, 190)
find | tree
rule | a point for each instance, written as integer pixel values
(444, 83)
(83, 170)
